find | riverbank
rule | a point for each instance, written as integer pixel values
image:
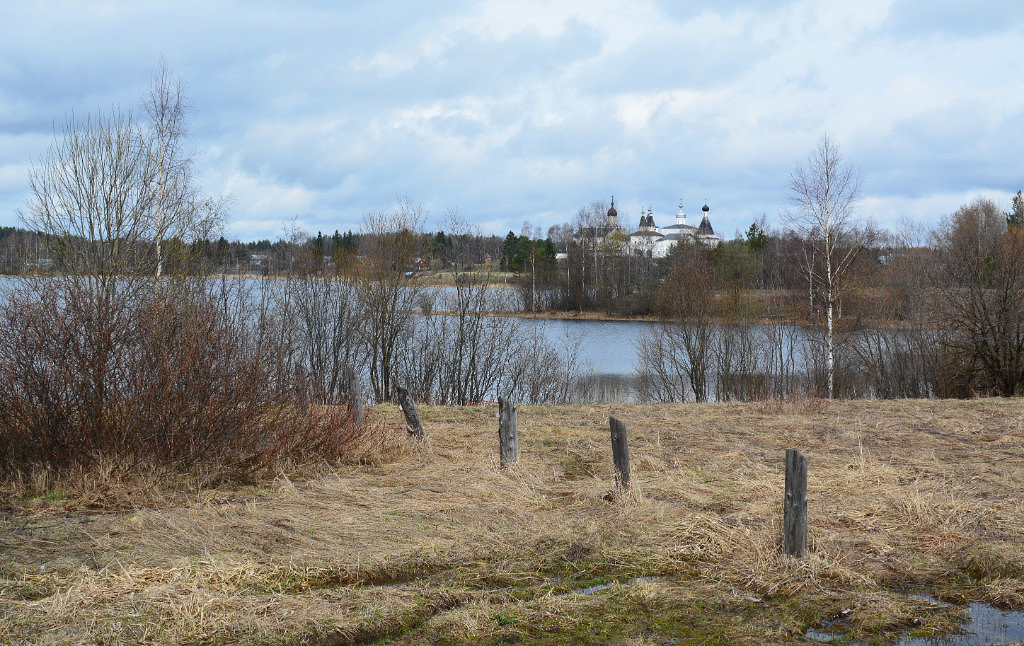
(443, 546)
(790, 320)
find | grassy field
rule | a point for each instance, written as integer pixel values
(442, 546)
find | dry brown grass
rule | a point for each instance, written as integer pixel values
(444, 546)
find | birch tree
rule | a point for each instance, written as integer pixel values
(824, 191)
(178, 208)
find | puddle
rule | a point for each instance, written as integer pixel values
(592, 589)
(822, 634)
(985, 625)
(604, 586)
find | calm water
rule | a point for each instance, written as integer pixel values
(607, 350)
(608, 346)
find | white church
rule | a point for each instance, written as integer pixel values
(649, 241)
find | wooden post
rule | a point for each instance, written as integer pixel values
(412, 418)
(620, 453)
(508, 432)
(794, 520)
(355, 395)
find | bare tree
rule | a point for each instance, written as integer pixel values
(387, 293)
(584, 254)
(542, 372)
(739, 351)
(681, 354)
(95, 360)
(778, 346)
(824, 191)
(472, 347)
(980, 283)
(316, 314)
(96, 199)
(177, 207)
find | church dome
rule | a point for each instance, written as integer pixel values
(705, 226)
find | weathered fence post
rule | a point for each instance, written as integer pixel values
(620, 453)
(412, 418)
(355, 395)
(508, 432)
(794, 519)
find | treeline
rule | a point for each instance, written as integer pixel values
(604, 274)
(591, 275)
(569, 270)
(22, 250)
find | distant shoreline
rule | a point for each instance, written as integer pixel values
(430, 282)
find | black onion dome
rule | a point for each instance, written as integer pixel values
(705, 208)
(612, 213)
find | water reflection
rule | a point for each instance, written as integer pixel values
(984, 625)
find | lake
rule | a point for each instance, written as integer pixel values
(608, 356)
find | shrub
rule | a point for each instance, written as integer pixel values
(173, 380)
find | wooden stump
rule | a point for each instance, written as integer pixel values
(794, 520)
(508, 432)
(620, 453)
(412, 418)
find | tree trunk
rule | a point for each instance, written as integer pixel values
(830, 348)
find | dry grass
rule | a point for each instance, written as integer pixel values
(444, 546)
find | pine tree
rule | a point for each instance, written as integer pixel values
(1016, 216)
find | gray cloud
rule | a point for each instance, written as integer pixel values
(514, 111)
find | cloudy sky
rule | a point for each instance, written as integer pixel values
(514, 111)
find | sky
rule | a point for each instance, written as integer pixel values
(318, 113)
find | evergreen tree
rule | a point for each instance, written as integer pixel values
(440, 244)
(1016, 216)
(756, 238)
(521, 256)
(508, 250)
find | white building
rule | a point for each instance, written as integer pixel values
(674, 233)
(647, 239)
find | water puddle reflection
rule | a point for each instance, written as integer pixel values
(985, 625)
(604, 586)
